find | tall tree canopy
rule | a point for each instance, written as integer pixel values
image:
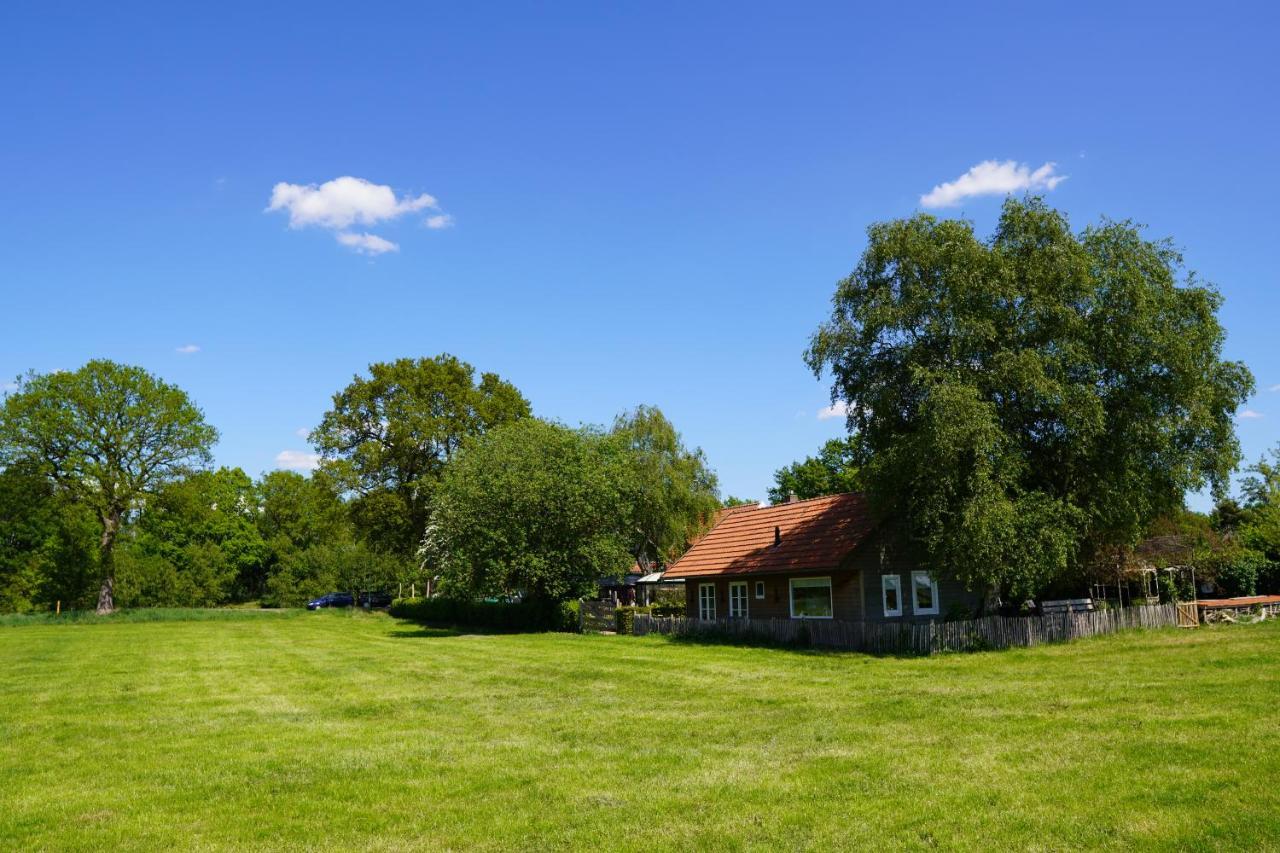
(203, 537)
(1022, 401)
(390, 434)
(532, 508)
(670, 491)
(106, 435)
(832, 472)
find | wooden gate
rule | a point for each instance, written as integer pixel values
(1188, 614)
(596, 616)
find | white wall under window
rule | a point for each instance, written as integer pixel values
(811, 598)
(924, 594)
(891, 594)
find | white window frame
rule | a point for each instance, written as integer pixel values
(759, 590)
(831, 596)
(739, 585)
(915, 607)
(887, 582)
(706, 604)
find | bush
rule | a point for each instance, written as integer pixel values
(1236, 572)
(668, 608)
(1269, 578)
(498, 615)
(625, 617)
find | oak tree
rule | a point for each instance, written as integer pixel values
(106, 435)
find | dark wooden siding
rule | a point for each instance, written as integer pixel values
(846, 595)
(878, 557)
(855, 589)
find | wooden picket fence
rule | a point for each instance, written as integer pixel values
(991, 632)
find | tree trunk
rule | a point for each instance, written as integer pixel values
(106, 562)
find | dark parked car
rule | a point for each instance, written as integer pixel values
(333, 599)
(375, 599)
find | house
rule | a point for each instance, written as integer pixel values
(824, 558)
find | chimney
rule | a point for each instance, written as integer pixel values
(777, 535)
(791, 497)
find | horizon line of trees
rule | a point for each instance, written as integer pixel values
(1022, 411)
(107, 498)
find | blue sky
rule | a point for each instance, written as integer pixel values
(635, 203)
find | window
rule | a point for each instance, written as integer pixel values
(811, 598)
(760, 590)
(738, 600)
(924, 590)
(707, 601)
(891, 594)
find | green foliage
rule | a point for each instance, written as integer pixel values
(1227, 516)
(670, 492)
(732, 501)
(389, 435)
(1235, 570)
(1022, 403)
(531, 508)
(833, 471)
(205, 527)
(1269, 578)
(47, 542)
(196, 575)
(333, 567)
(106, 436)
(300, 512)
(1259, 529)
(496, 615)
(624, 617)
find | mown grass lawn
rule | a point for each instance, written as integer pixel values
(328, 730)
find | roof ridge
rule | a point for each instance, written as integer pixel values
(811, 500)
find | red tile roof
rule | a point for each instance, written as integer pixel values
(815, 534)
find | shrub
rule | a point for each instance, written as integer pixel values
(498, 615)
(668, 608)
(1269, 578)
(624, 617)
(1236, 571)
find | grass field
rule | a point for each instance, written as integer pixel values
(330, 730)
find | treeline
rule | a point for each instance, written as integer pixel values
(429, 476)
(210, 538)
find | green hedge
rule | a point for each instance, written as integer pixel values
(623, 618)
(500, 615)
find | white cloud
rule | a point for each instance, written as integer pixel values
(187, 349)
(367, 244)
(342, 202)
(1250, 414)
(346, 201)
(838, 409)
(297, 460)
(1274, 388)
(302, 432)
(6, 387)
(991, 177)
